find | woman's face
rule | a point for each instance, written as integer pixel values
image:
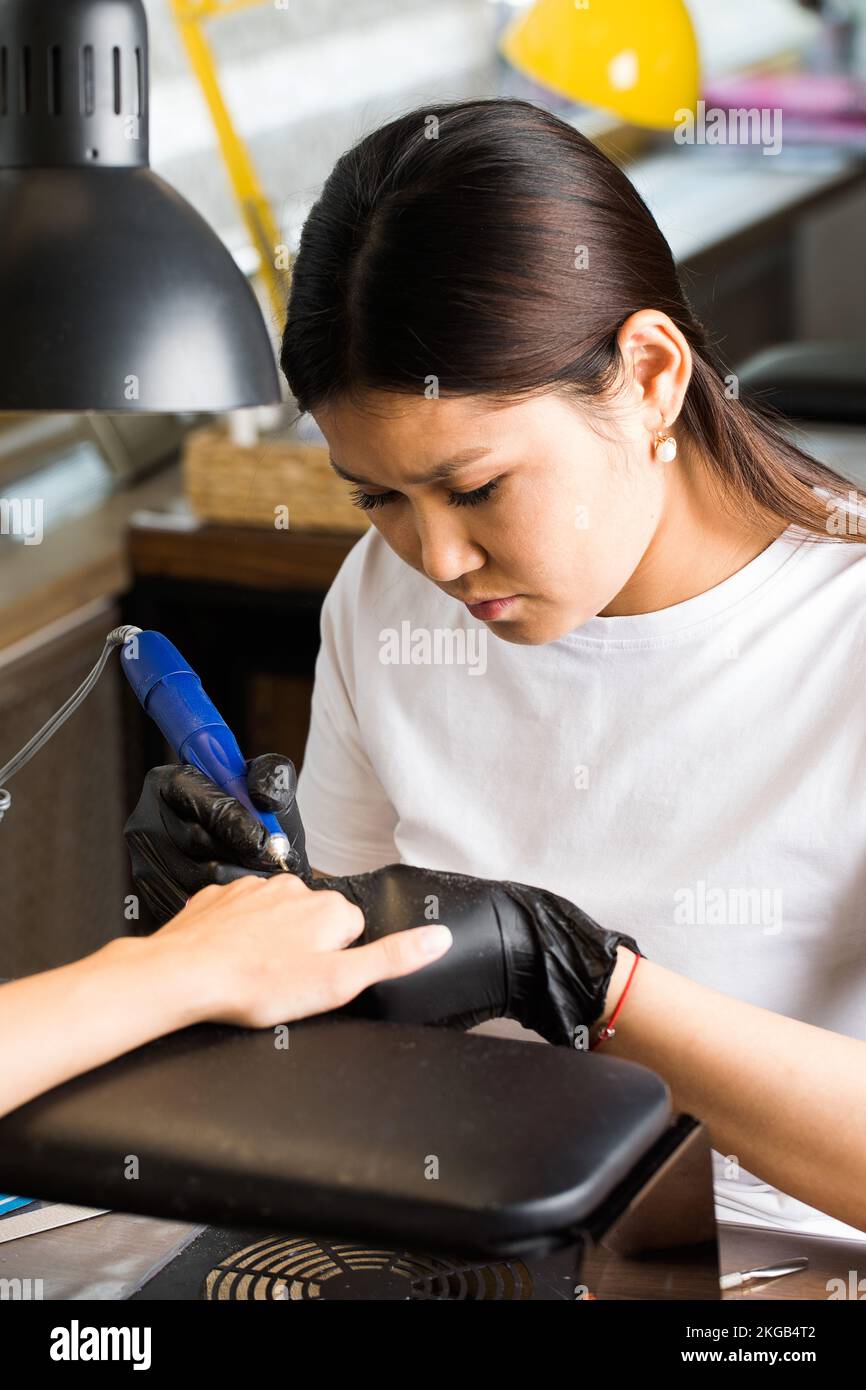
(550, 515)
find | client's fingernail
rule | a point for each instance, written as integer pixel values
(434, 940)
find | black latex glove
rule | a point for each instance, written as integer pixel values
(519, 952)
(185, 832)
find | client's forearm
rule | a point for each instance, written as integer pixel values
(786, 1099)
(62, 1022)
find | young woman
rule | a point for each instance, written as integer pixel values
(665, 725)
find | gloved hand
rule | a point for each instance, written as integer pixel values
(519, 952)
(185, 832)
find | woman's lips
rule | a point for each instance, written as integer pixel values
(491, 608)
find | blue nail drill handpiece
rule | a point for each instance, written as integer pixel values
(171, 693)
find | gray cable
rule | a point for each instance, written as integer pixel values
(115, 638)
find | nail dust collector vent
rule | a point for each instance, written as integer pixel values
(297, 1270)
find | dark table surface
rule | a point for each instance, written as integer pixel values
(108, 1256)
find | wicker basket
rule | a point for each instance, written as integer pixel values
(238, 486)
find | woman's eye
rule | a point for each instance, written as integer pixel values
(368, 500)
(471, 499)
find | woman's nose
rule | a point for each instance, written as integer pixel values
(447, 551)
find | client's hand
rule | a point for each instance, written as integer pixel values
(186, 833)
(254, 953)
(264, 951)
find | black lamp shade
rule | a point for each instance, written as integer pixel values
(115, 294)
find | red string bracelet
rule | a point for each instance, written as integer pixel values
(608, 1030)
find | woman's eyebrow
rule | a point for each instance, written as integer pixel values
(443, 470)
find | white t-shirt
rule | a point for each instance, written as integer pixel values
(695, 776)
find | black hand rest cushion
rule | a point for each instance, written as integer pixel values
(344, 1132)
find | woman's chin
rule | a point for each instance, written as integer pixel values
(534, 629)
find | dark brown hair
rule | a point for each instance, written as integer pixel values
(444, 247)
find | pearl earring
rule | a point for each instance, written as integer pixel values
(666, 447)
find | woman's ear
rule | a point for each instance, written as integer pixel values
(658, 363)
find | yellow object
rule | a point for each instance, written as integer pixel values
(256, 209)
(636, 58)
